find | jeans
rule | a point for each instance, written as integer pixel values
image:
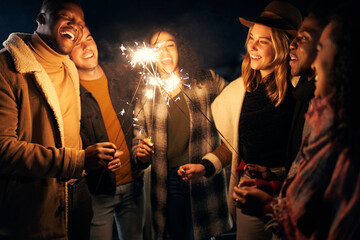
(79, 210)
(179, 217)
(126, 206)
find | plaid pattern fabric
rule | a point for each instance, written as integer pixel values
(320, 199)
(208, 196)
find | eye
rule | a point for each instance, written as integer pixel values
(170, 44)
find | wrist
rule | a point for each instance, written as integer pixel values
(209, 167)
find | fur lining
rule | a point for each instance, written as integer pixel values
(25, 62)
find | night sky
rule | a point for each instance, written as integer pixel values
(212, 27)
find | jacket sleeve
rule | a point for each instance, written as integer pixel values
(20, 157)
(220, 82)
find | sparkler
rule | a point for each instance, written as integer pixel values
(146, 58)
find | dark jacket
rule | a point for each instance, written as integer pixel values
(303, 93)
(122, 84)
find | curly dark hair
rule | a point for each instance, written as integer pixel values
(188, 60)
(346, 100)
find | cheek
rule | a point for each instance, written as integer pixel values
(269, 54)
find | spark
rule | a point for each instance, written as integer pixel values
(149, 94)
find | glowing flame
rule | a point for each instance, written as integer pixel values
(143, 56)
(171, 83)
(149, 94)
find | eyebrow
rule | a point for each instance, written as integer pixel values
(267, 38)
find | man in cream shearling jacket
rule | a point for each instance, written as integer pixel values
(39, 146)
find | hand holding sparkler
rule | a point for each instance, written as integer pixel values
(145, 150)
(102, 154)
(191, 171)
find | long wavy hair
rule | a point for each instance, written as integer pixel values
(277, 82)
(346, 82)
(188, 62)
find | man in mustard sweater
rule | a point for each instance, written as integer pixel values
(106, 115)
(41, 154)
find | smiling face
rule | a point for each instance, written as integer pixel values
(303, 48)
(260, 49)
(324, 62)
(62, 27)
(85, 53)
(168, 56)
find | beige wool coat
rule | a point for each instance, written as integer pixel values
(34, 164)
(226, 110)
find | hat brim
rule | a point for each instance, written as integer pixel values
(269, 22)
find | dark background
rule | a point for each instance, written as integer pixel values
(212, 27)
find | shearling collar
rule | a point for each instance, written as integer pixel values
(25, 62)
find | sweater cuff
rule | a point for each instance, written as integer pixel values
(209, 167)
(215, 162)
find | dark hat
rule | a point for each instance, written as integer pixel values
(277, 14)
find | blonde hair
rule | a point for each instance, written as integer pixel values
(277, 82)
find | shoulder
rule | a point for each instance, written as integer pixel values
(115, 70)
(235, 87)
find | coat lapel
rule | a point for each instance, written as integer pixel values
(25, 62)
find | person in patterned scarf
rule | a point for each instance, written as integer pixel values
(320, 197)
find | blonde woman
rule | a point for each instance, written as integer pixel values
(254, 112)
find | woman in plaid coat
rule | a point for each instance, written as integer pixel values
(181, 131)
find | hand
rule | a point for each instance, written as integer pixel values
(98, 155)
(115, 164)
(257, 171)
(247, 182)
(191, 171)
(250, 199)
(145, 150)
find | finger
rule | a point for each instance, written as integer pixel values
(247, 182)
(118, 154)
(105, 157)
(114, 165)
(147, 148)
(107, 145)
(181, 171)
(146, 142)
(107, 151)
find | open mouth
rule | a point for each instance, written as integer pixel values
(68, 35)
(88, 55)
(166, 61)
(254, 57)
(293, 58)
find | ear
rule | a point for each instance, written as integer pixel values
(40, 19)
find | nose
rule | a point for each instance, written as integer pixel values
(252, 45)
(313, 66)
(293, 44)
(164, 49)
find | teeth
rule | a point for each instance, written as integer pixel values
(293, 58)
(255, 57)
(166, 59)
(316, 77)
(68, 34)
(89, 55)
